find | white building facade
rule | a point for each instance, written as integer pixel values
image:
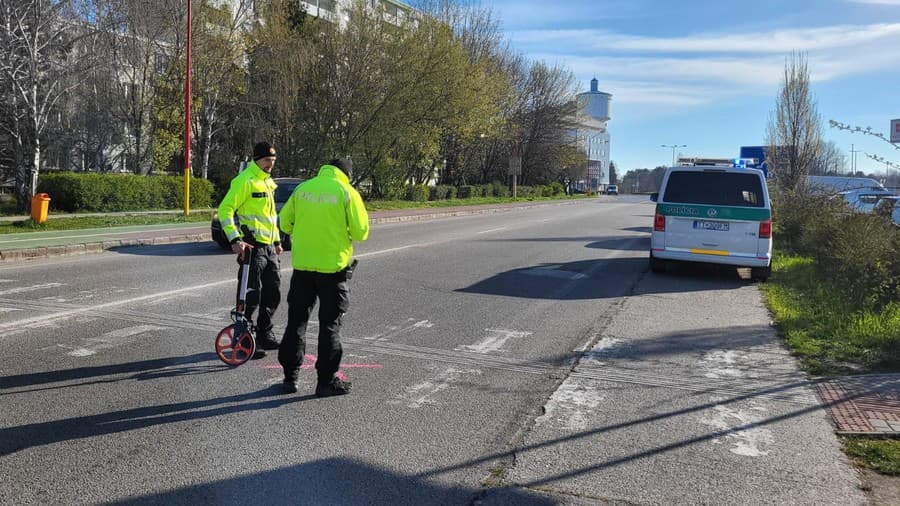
(592, 136)
(338, 11)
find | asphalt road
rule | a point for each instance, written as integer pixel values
(528, 347)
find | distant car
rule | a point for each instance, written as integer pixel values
(286, 186)
(612, 190)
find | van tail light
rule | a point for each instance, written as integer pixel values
(765, 229)
(659, 223)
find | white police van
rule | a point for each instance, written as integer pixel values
(719, 214)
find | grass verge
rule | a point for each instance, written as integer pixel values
(831, 337)
(882, 455)
(75, 223)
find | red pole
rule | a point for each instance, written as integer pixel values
(187, 117)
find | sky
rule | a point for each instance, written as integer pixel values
(706, 73)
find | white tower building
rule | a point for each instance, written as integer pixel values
(592, 136)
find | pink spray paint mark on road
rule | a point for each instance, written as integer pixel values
(309, 362)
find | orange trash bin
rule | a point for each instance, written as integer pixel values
(40, 206)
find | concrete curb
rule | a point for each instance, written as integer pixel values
(95, 247)
(98, 247)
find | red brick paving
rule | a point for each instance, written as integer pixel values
(863, 404)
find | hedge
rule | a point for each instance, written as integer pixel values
(72, 192)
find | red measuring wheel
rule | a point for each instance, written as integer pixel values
(233, 350)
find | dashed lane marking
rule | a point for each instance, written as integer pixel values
(425, 392)
(32, 288)
(494, 341)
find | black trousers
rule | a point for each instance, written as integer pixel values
(263, 287)
(333, 294)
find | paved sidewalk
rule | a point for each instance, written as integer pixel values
(863, 405)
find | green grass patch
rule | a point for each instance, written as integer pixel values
(882, 455)
(828, 333)
(76, 223)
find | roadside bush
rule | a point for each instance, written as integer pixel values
(441, 192)
(417, 193)
(525, 191)
(465, 192)
(487, 190)
(855, 251)
(499, 189)
(71, 192)
(556, 188)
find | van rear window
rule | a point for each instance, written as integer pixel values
(715, 189)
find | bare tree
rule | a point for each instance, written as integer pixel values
(794, 132)
(831, 161)
(220, 75)
(140, 50)
(39, 62)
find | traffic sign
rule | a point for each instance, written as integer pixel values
(515, 165)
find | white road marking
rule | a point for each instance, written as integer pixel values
(6, 280)
(494, 341)
(191, 290)
(571, 405)
(491, 230)
(110, 339)
(23, 289)
(746, 441)
(116, 303)
(423, 393)
(9, 309)
(605, 347)
(718, 364)
(395, 330)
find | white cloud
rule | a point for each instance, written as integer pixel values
(691, 71)
(781, 41)
(876, 2)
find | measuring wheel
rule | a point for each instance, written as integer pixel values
(235, 350)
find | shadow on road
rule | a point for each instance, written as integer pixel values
(14, 439)
(333, 481)
(624, 243)
(190, 249)
(599, 279)
(143, 369)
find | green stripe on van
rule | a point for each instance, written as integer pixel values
(714, 212)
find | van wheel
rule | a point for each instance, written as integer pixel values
(658, 266)
(760, 274)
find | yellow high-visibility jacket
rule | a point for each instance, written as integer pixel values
(324, 216)
(252, 197)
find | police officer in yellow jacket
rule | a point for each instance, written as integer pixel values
(324, 216)
(252, 197)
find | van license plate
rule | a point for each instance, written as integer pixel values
(721, 226)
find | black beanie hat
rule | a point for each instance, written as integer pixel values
(345, 164)
(262, 150)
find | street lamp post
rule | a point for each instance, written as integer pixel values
(674, 147)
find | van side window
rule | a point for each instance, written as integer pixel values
(714, 189)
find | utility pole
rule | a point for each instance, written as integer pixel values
(853, 159)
